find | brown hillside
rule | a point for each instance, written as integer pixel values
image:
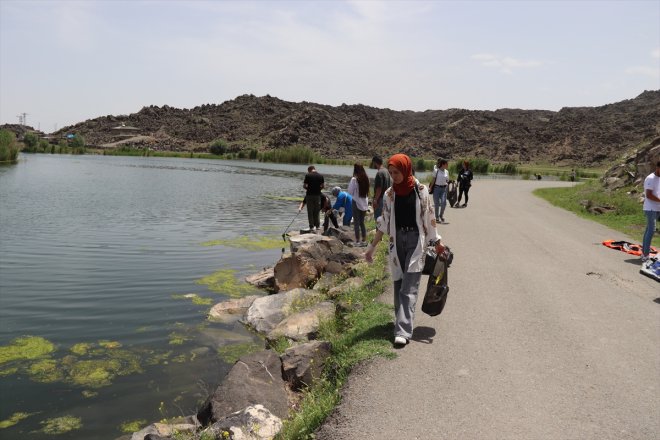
(576, 135)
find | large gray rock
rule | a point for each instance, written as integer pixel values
(311, 255)
(296, 270)
(263, 280)
(267, 312)
(303, 325)
(228, 310)
(254, 379)
(160, 430)
(304, 363)
(252, 423)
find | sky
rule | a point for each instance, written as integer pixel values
(63, 62)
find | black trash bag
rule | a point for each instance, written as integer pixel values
(452, 194)
(437, 286)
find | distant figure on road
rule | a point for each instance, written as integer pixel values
(408, 220)
(358, 188)
(439, 189)
(464, 183)
(313, 183)
(343, 204)
(381, 183)
(573, 175)
(651, 208)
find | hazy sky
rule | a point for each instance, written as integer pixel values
(63, 62)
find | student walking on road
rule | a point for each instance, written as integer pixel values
(313, 183)
(464, 183)
(439, 189)
(408, 220)
(651, 208)
(358, 188)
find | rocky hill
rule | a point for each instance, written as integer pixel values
(575, 135)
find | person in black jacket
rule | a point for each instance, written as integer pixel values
(328, 212)
(464, 183)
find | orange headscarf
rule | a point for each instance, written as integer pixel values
(403, 164)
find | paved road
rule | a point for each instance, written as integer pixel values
(547, 334)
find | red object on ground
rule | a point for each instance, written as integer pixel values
(629, 248)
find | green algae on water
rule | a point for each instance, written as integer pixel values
(232, 353)
(109, 344)
(132, 426)
(196, 299)
(81, 348)
(224, 281)
(14, 419)
(26, 348)
(178, 338)
(45, 371)
(251, 243)
(61, 425)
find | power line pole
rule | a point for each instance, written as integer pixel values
(22, 118)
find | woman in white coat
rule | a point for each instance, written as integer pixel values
(409, 221)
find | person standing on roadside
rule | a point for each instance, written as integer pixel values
(313, 183)
(464, 183)
(358, 188)
(381, 183)
(439, 189)
(408, 220)
(651, 208)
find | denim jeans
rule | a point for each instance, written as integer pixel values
(651, 218)
(440, 200)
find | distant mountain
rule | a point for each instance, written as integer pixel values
(575, 135)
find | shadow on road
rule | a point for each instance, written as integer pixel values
(423, 334)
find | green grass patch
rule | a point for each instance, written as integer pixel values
(362, 333)
(627, 216)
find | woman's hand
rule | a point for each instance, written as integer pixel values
(369, 255)
(439, 247)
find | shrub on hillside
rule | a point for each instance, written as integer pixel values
(218, 147)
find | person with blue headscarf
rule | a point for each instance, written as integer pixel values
(344, 202)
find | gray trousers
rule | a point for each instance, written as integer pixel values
(314, 211)
(405, 289)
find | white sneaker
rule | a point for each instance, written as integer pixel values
(400, 340)
(644, 258)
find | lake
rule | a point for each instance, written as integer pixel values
(108, 267)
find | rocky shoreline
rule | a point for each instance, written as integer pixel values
(262, 388)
